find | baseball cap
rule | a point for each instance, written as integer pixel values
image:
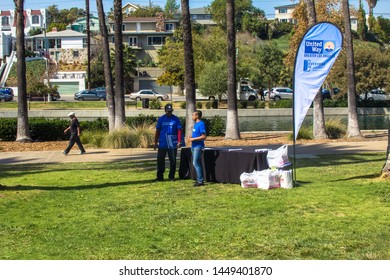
(71, 114)
(168, 108)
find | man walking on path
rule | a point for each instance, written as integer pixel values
(167, 139)
(74, 129)
(197, 145)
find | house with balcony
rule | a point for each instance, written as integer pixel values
(80, 25)
(146, 35)
(128, 8)
(32, 19)
(284, 13)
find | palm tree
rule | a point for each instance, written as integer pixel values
(353, 125)
(232, 130)
(371, 6)
(188, 66)
(119, 86)
(23, 131)
(107, 66)
(318, 107)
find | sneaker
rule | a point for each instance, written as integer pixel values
(198, 184)
(158, 179)
(65, 153)
(81, 153)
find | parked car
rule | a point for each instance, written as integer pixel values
(278, 93)
(148, 94)
(100, 89)
(374, 94)
(326, 93)
(7, 90)
(90, 95)
(41, 97)
(5, 97)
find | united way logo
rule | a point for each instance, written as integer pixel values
(329, 47)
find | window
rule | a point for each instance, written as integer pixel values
(123, 27)
(76, 54)
(133, 41)
(35, 19)
(169, 26)
(4, 21)
(54, 43)
(58, 43)
(85, 42)
(156, 41)
(283, 11)
(353, 21)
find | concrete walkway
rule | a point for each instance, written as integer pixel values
(110, 155)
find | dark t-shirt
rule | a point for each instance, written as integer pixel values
(74, 125)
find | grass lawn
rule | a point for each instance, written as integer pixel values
(340, 210)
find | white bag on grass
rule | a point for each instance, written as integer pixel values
(248, 180)
(286, 181)
(277, 158)
(268, 179)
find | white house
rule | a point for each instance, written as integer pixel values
(32, 19)
(284, 13)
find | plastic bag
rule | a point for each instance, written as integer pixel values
(248, 180)
(277, 158)
(286, 181)
(268, 179)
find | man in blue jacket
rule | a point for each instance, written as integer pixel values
(167, 139)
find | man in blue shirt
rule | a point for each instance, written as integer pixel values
(197, 145)
(167, 139)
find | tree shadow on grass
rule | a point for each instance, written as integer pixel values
(76, 188)
(367, 176)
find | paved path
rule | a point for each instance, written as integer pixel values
(111, 155)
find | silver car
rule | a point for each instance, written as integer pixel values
(278, 93)
(148, 94)
(374, 94)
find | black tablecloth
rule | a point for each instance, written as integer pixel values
(221, 165)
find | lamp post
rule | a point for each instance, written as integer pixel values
(88, 46)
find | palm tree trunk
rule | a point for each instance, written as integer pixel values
(232, 130)
(353, 125)
(23, 131)
(319, 130)
(107, 66)
(189, 66)
(120, 117)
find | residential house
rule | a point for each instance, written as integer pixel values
(201, 16)
(146, 35)
(80, 25)
(32, 19)
(128, 8)
(284, 13)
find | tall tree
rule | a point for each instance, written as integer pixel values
(232, 130)
(107, 65)
(171, 8)
(361, 20)
(23, 131)
(353, 125)
(188, 65)
(120, 117)
(319, 130)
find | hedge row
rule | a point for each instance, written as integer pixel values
(42, 129)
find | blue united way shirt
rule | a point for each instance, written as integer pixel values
(198, 130)
(168, 127)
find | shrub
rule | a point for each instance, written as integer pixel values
(208, 105)
(335, 128)
(141, 136)
(8, 129)
(93, 137)
(306, 132)
(48, 130)
(155, 104)
(258, 104)
(199, 105)
(217, 126)
(183, 105)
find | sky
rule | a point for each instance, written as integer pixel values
(382, 7)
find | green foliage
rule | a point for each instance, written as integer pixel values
(183, 105)
(8, 129)
(305, 132)
(199, 105)
(335, 129)
(93, 138)
(258, 104)
(362, 26)
(149, 11)
(213, 80)
(217, 126)
(242, 105)
(284, 103)
(171, 8)
(140, 136)
(35, 69)
(155, 104)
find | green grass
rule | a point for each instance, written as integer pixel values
(56, 105)
(114, 211)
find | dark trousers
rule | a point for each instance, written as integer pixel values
(161, 154)
(74, 139)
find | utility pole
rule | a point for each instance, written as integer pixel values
(88, 47)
